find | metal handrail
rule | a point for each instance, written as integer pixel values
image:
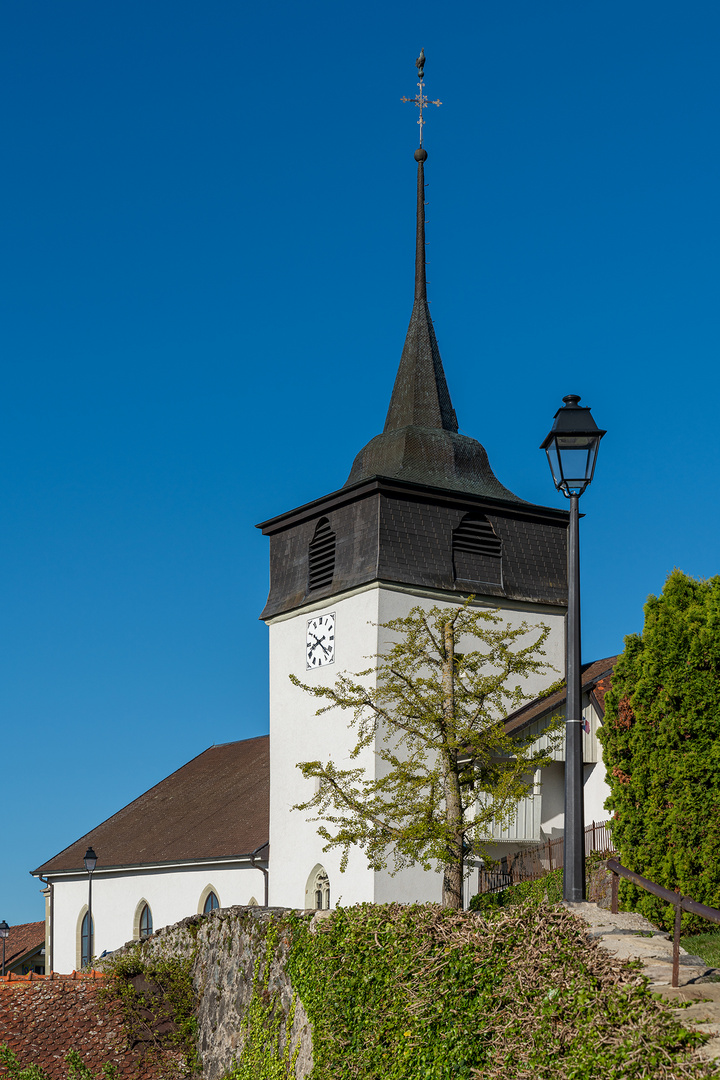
(679, 902)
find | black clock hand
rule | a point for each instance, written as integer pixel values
(320, 643)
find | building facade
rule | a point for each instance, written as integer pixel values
(195, 841)
(420, 521)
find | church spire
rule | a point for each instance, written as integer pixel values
(420, 395)
(420, 441)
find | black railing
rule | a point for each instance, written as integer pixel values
(533, 863)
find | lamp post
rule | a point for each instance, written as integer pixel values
(572, 447)
(4, 934)
(90, 861)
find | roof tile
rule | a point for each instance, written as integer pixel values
(216, 806)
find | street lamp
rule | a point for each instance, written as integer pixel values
(4, 934)
(572, 447)
(90, 861)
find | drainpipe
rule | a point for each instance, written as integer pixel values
(49, 959)
(262, 869)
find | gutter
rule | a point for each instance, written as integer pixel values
(124, 868)
(262, 869)
(49, 958)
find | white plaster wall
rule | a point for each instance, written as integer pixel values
(171, 894)
(298, 734)
(552, 800)
(395, 604)
(596, 792)
(412, 885)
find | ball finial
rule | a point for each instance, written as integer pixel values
(420, 154)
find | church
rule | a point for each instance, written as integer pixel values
(421, 520)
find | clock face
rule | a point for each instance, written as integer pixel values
(320, 641)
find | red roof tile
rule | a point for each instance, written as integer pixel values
(42, 1019)
(22, 939)
(593, 675)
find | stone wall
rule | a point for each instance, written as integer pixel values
(600, 886)
(228, 946)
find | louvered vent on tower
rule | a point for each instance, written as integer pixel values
(477, 551)
(321, 560)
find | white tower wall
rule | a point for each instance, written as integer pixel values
(298, 734)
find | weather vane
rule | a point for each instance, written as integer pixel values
(420, 99)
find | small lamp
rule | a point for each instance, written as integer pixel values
(4, 933)
(90, 860)
(572, 446)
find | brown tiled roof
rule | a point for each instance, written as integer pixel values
(216, 806)
(22, 939)
(599, 691)
(595, 680)
(42, 1019)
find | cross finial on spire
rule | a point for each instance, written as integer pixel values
(420, 99)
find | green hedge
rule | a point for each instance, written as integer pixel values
(547, 889)
(661, 742)
(419, 992)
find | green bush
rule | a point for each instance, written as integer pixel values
(661, 742)
(419, 992)
(168, 995)
(547, 889)
(76, 1068)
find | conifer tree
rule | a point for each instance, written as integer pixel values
(431, 709)
(661, 745)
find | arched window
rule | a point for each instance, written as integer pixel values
(142, 920)
(211, 902)
(146, 927)
(321, 556)
(477, 551)
(322, 892)
(86, 940)
(317, 890)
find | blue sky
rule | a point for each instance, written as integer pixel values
(208, 227)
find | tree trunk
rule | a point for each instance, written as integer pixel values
(453, 870)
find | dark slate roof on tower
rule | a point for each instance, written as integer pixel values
(420, 441)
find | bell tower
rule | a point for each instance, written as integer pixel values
(421, 520)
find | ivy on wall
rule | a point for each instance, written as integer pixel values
(267, 1054)
(548, 888)
(76, 1069)
(396, 992)
(157, 1000)
(661, 743)
(418, 992)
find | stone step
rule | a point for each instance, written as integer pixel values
(629, 936)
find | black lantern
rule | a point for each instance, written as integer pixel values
(90, 859)
(4, 933)
(572, 446)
